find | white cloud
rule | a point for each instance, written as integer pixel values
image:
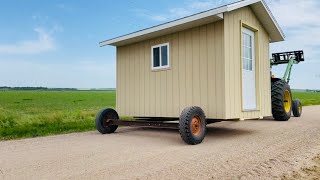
(61, 6)
(83, 74)
(175, 13)
(64, 7)
(189, 7)
(44, 42)
(145, 14)
(301, 24)
(295, 13)
(206, 4)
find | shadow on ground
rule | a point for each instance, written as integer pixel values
(219, 132)
(169, 133)
(272, 119)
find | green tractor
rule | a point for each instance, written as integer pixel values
(281, 96)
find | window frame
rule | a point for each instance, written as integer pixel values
(252, 53)
(160, 56)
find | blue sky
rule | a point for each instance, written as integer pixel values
(55, 43)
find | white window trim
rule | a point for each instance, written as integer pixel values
(250, 33)
(160, 56)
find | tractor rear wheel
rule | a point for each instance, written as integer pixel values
(296, 108)
(192, 125)
(104, 119)
(281, 101)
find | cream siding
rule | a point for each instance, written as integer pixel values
(205, 70)
(195, 76)
(233, 73)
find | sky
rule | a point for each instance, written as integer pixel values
(55, 43)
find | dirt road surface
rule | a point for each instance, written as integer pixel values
(252, 149)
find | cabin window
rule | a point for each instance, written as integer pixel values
(160, 56)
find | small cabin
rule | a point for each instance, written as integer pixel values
(217, 60)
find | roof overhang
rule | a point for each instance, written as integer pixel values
(259, 7)
(264, 15)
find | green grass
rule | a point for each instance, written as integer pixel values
(307, 98)
(41, 113)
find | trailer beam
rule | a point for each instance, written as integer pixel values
(140, 123)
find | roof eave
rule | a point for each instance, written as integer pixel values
(268, 18)
(281, 35)
(276, 34)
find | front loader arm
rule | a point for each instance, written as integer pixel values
(289, 58)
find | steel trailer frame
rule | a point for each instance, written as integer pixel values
(152, 122)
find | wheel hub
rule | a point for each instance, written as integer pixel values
(300, 108)
(107, 122)
(196, 126)
(287, 101)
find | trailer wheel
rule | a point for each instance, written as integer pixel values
(281, 101)
(192, 125)
(296, 108)
(103, 120)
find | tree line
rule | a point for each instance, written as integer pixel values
(36, 88)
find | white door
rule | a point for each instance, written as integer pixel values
(248, 71)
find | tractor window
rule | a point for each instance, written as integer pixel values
(160, 56)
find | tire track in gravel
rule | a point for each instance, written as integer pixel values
(282, 156)
(283, 151)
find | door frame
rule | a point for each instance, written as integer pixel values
(257, 62)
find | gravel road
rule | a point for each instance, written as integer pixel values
(231, 150)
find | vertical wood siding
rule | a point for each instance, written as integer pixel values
(205, 71)
(232, 31)
(195, 78)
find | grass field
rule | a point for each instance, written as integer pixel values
(307, 99)
(41, 113)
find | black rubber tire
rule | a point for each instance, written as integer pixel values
(277, 97)
(185, 125)
(295, 108)
(102, 116)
